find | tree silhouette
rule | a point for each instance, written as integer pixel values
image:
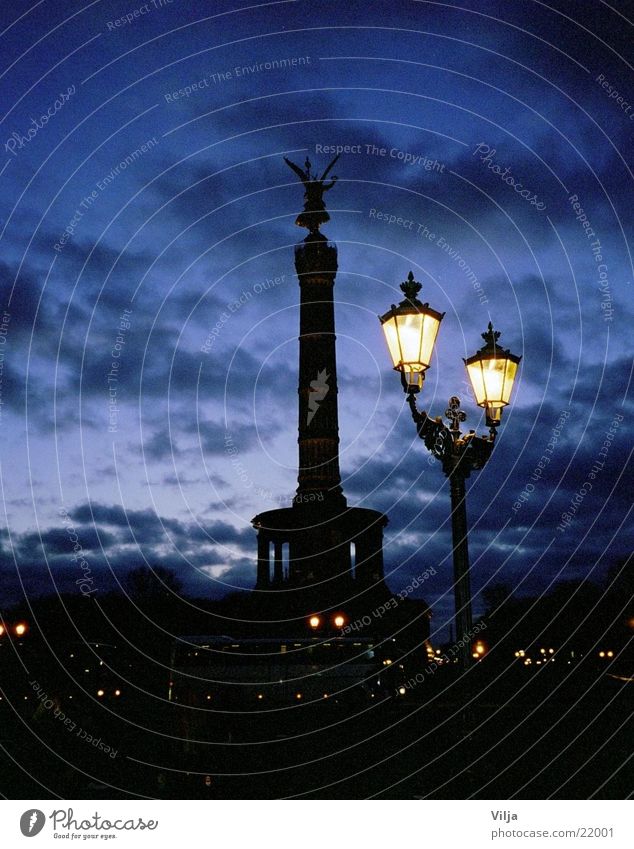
(153, 584)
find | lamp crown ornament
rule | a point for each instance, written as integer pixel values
(411, 288)
(490, 335)
(492, 345)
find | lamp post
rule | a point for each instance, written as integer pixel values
(410, 331)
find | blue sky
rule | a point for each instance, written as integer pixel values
(195, 234)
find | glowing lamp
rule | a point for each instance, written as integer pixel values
(339, 621)
(410, 332)
(314, 622)
(492, 373)
(20, 629)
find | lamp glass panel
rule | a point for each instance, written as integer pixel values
(493, 374)
(410, 332)
(430, 331)
(474, 370)
(391, 337)
(511, 371)
(492, 380)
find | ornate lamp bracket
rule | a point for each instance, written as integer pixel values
(458, 454)
(455, 416)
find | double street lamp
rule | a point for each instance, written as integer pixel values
(410, 330)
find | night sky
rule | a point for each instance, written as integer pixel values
(151, 306)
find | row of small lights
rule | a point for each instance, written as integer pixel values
(479, 650)
(260, 696)
(521, 654)
(100, 693)
(315, 621)
(546, 656)
(19, 629)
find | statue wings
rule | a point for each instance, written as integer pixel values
(327, 171)
(304, 176)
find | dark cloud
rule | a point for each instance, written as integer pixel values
(146, 526)
(212, 436)
(19, 296)
(207, 216)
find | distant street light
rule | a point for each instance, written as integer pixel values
(410, 331)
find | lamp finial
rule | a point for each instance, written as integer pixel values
(411, 288)
(491, 336)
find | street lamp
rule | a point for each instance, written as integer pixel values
(492, 372)
(410, 331)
